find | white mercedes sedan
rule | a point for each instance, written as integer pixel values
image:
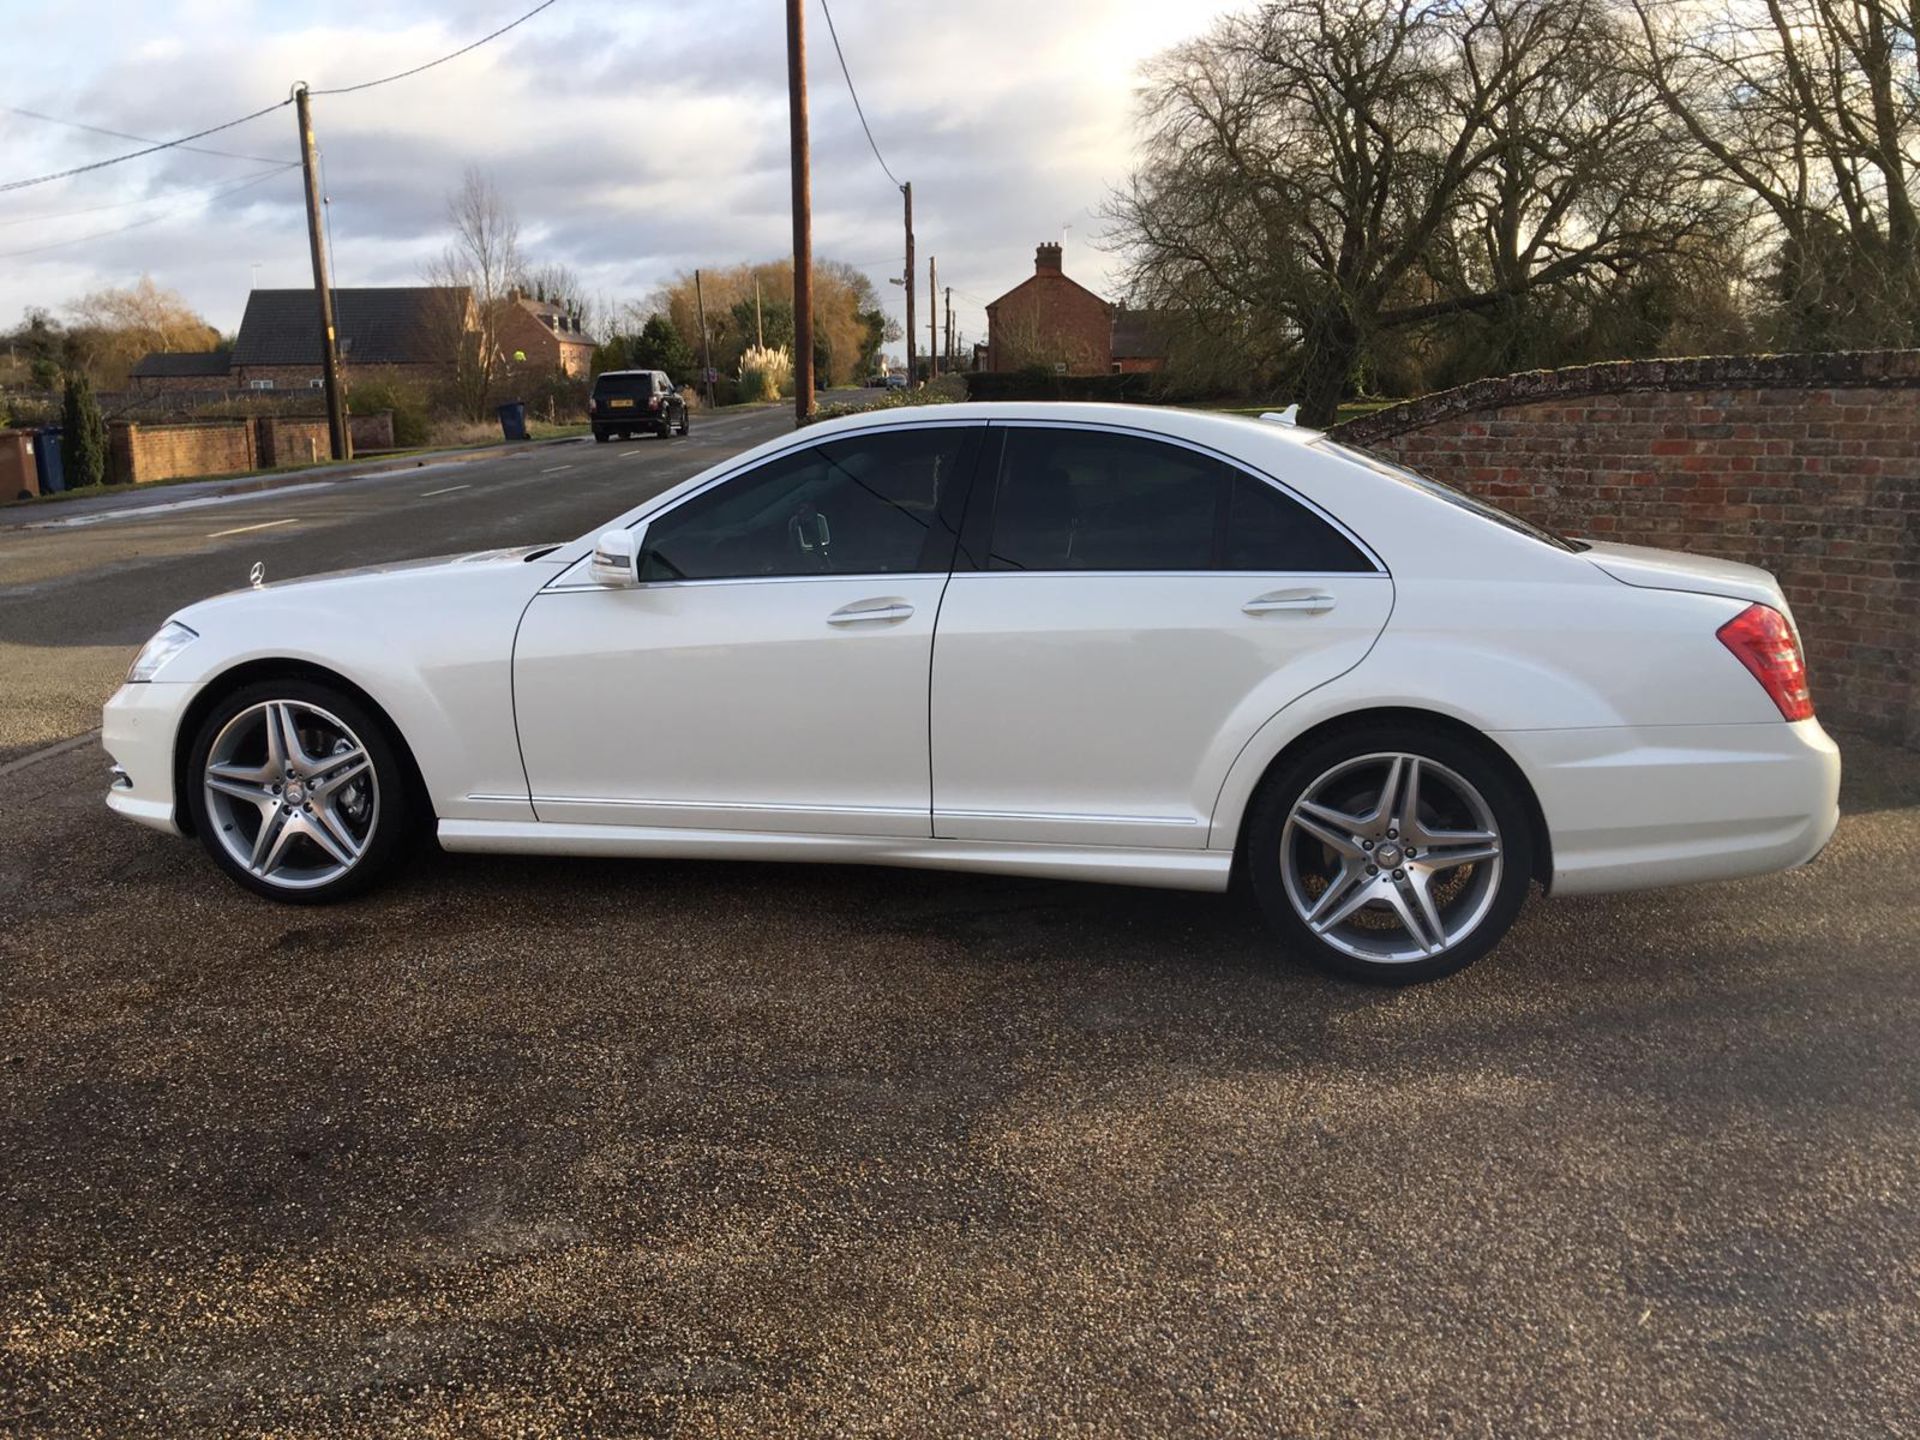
(1151, 647)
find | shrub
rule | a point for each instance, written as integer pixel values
(84, 443)
(1039, 384)
(765, 374)
(412, 422)
(890, 400)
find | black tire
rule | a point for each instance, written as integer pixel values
(394, 819)
(601, 437)
(1497, 900)
(686, 422)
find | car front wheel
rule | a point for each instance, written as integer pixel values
(297, 792)
(1390, 855)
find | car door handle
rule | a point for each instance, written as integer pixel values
(865, 612)
(1312, 602)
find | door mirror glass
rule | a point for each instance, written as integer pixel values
(616, 556)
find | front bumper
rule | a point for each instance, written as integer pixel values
(137, 728)
(1634, 807)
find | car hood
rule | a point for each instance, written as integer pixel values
(518, 553)
(1698, 574)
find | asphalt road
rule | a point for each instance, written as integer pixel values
(551, 1147)
(81, 590)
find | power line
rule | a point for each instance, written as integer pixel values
(42, 216)
(142, 139)
(184, 140)
(856, 96)
(151, 219)
(150, 150)
(455, 55)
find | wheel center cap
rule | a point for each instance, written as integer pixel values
(1387, 856)
(296, 792)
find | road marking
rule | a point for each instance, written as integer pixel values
(448, 491)
(555, 469)
(263, 525)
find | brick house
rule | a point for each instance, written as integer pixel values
(541, 335)
(1050, 320)
(411, 331)
(1140, 341)
(178, 374)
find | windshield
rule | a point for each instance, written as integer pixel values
(1442, 491)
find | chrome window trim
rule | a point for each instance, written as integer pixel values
(882, 577)
(1232, 461)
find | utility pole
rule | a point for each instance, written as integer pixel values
(907, 279)
(802, 212)
(340, 442)
(759, 330)
(948, 347)
(933, 317)
(706, 348)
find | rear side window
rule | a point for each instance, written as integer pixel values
(870, 505)
(1267, 530)
(1087, 500)
(1083, 500)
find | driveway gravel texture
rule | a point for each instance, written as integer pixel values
(546, 1147)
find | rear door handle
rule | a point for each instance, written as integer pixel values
(868, 612)
(1311, 602)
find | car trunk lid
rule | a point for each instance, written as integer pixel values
(1698, 574)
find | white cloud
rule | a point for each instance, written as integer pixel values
(635, 137)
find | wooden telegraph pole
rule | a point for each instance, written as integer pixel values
(339, 441)
(948, 346)
(802, 212)
(933, 317)
(907, 279)
(706, 346)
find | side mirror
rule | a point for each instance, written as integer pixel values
(616, 558)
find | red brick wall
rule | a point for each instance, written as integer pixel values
(161, 452)
(1806, 465)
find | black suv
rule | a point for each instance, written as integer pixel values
(625, 402)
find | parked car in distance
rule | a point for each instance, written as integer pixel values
(895, 382)
(1113, 643)
(875, 381)
(630, 402)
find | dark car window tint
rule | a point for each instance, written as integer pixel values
(1082, 500)
(1267, 530)
(860, 506)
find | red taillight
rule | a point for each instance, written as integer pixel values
(1761, 640)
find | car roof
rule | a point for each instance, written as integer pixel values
(605, 374)
(1201, 426)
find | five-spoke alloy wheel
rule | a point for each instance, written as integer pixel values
(297, 792)
(1389, 855)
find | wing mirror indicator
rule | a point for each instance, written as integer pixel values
(616, 558)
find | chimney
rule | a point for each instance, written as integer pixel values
(1046, 259)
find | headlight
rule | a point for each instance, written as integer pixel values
(173, 637)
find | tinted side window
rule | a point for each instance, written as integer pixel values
(867, 505)
(1267, 530)
(1081, 500)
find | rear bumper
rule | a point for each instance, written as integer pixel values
(137, 728)
(1630, 808)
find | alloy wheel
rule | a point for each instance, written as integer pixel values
(293, 794)
(1391, 857)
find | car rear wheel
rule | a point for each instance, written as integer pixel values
(297, 791)
(1390, 855)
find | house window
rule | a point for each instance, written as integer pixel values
(260, 384)
(316, 384)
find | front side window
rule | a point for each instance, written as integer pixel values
(867, 505)
(1088, 500)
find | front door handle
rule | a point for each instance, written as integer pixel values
(1311, 602)
(868, 612)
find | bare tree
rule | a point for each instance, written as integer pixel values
(477, 271)
(560, 285)
(1809, 107)
(1322, 175)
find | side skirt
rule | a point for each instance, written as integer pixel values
(1109, 864)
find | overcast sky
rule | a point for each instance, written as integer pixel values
(635, 137)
